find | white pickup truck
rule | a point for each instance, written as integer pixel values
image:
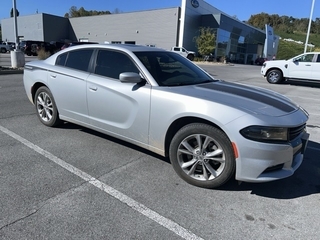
(304, 67)
(184, 52)
(5, 47)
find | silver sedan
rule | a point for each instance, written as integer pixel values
(210, 129)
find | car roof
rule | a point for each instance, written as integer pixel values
(123, 47)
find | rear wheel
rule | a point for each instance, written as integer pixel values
(190, 57)
(3, 50)
(274, 76)
(202, 155)
(46, 107)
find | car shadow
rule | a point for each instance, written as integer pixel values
(302, 83)
(305, 181)
(67, 125)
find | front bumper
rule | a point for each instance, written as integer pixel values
(264, 162)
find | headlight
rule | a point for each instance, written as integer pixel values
(265, 134)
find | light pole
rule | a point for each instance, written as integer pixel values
(310, 21)
(17, 57)
(15, 25)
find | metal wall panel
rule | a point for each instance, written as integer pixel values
(156, 27)
(38, 27)
(29, 27)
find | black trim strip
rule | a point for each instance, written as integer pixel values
(237, 90)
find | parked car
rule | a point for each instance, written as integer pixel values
(304, 67)
(30, 47)
(81, 43)
(210, 129)
(184, 52)
(260, 60)
(5, 47)
(56, 46)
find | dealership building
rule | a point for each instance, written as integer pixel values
(163, 28)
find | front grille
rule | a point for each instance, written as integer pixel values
(295, 132)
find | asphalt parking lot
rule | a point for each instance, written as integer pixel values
(74, 183)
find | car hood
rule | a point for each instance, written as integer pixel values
(252, 100)
(276, 62)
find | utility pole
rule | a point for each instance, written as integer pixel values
(309, 27)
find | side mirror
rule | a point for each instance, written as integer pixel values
(130, 77)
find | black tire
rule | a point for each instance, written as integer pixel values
(195, 164)
(46, 108)
(274, 76)
(3, 50)
(190, 57)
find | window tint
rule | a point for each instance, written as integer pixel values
(111, 64)
(78, 59)
(305, 58)
(171, 69)
(61, 59)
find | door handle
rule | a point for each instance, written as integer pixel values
(53, 75)
(93, 88)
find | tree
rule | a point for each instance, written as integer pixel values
(205, 42)
(11, 12)
(81, 12)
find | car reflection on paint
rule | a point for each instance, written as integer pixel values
(211, 130)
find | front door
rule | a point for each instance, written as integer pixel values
(301, 67)
(118, 108)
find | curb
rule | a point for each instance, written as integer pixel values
(10, 71)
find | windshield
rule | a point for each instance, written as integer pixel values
(171, 69)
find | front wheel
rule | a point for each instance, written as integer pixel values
(46, 107)
(274, 76)
(3, 50)
(202, 155)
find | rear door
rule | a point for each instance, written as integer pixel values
(316, 69)
(67, 83)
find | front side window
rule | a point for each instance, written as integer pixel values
(171, 69)
(77, 59)
(305, 58)
(112, 63)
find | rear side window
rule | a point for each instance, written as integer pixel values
(61, 59)
(78, 59)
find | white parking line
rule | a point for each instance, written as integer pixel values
(165, 222)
